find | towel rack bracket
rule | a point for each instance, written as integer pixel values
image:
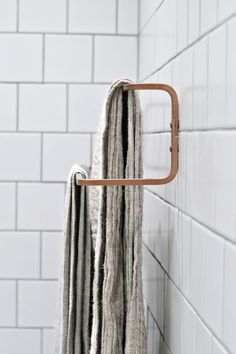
(174, 148)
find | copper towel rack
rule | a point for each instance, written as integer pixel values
(174, 148)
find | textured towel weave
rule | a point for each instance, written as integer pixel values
(73, 330)
(116, 219)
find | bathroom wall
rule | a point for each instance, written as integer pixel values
(190, 224)
(57, 58)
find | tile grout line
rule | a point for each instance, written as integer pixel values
(43, 57)
(17, 15)
(67, 16)
(93, 61)
(41, 340)
(117, 16)
(62, 33)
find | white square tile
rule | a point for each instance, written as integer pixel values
(128, 16)
(189, 329)
(197, 267)
(226, 8)
(174, 256)
(42, 16)
(156, 226)
(147, 50)
(192, 174)
(173, 331)
(42, 108)
(182, 24)
(208, 15)
(40, 206)
(7, 205)
(8, 107)
(7, 303)
(180, 179)
(150, 281)
(231, 74)
(225, 189)
(8, 13)
(186, 97)
(166, 34)
(200, 84)
(166, 77)
(20, 341)
(207, 163)
(21, 57)
(19, 255)
(185, 236)
(19, 156)
(48, 341)
(37, 303)
(213, 282)
(115, 57)
(68, 58)
(204, 338)
(193, 20)
(217, 348)
(92, 17)
(229, 309)
(51, 254)
(217, 83)
(61, 152)
(85, 106)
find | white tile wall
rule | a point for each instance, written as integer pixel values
(42, 107)
(19, 156)
(7, 205)
(8, 97)
(57, 60)
(101, 16)
(27, 50)
(51, 254)
(49, 341)
(20, 255)
(121, 52)
(37, 305)
(8, 13)
(8, 303)
(42, 16)
(62, 59)
(40, 206)
(61, 151)
(19, 341)
(85, 106)
(68, 58)
(189, 225)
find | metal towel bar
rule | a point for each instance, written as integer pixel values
(174, 148)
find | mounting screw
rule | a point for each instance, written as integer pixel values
(170, 148)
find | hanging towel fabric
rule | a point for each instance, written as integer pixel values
(74, 315)
(116, 219)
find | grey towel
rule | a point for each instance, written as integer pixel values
(116, 219)
(73, 329)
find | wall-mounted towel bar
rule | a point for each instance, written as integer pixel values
(174, 148)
